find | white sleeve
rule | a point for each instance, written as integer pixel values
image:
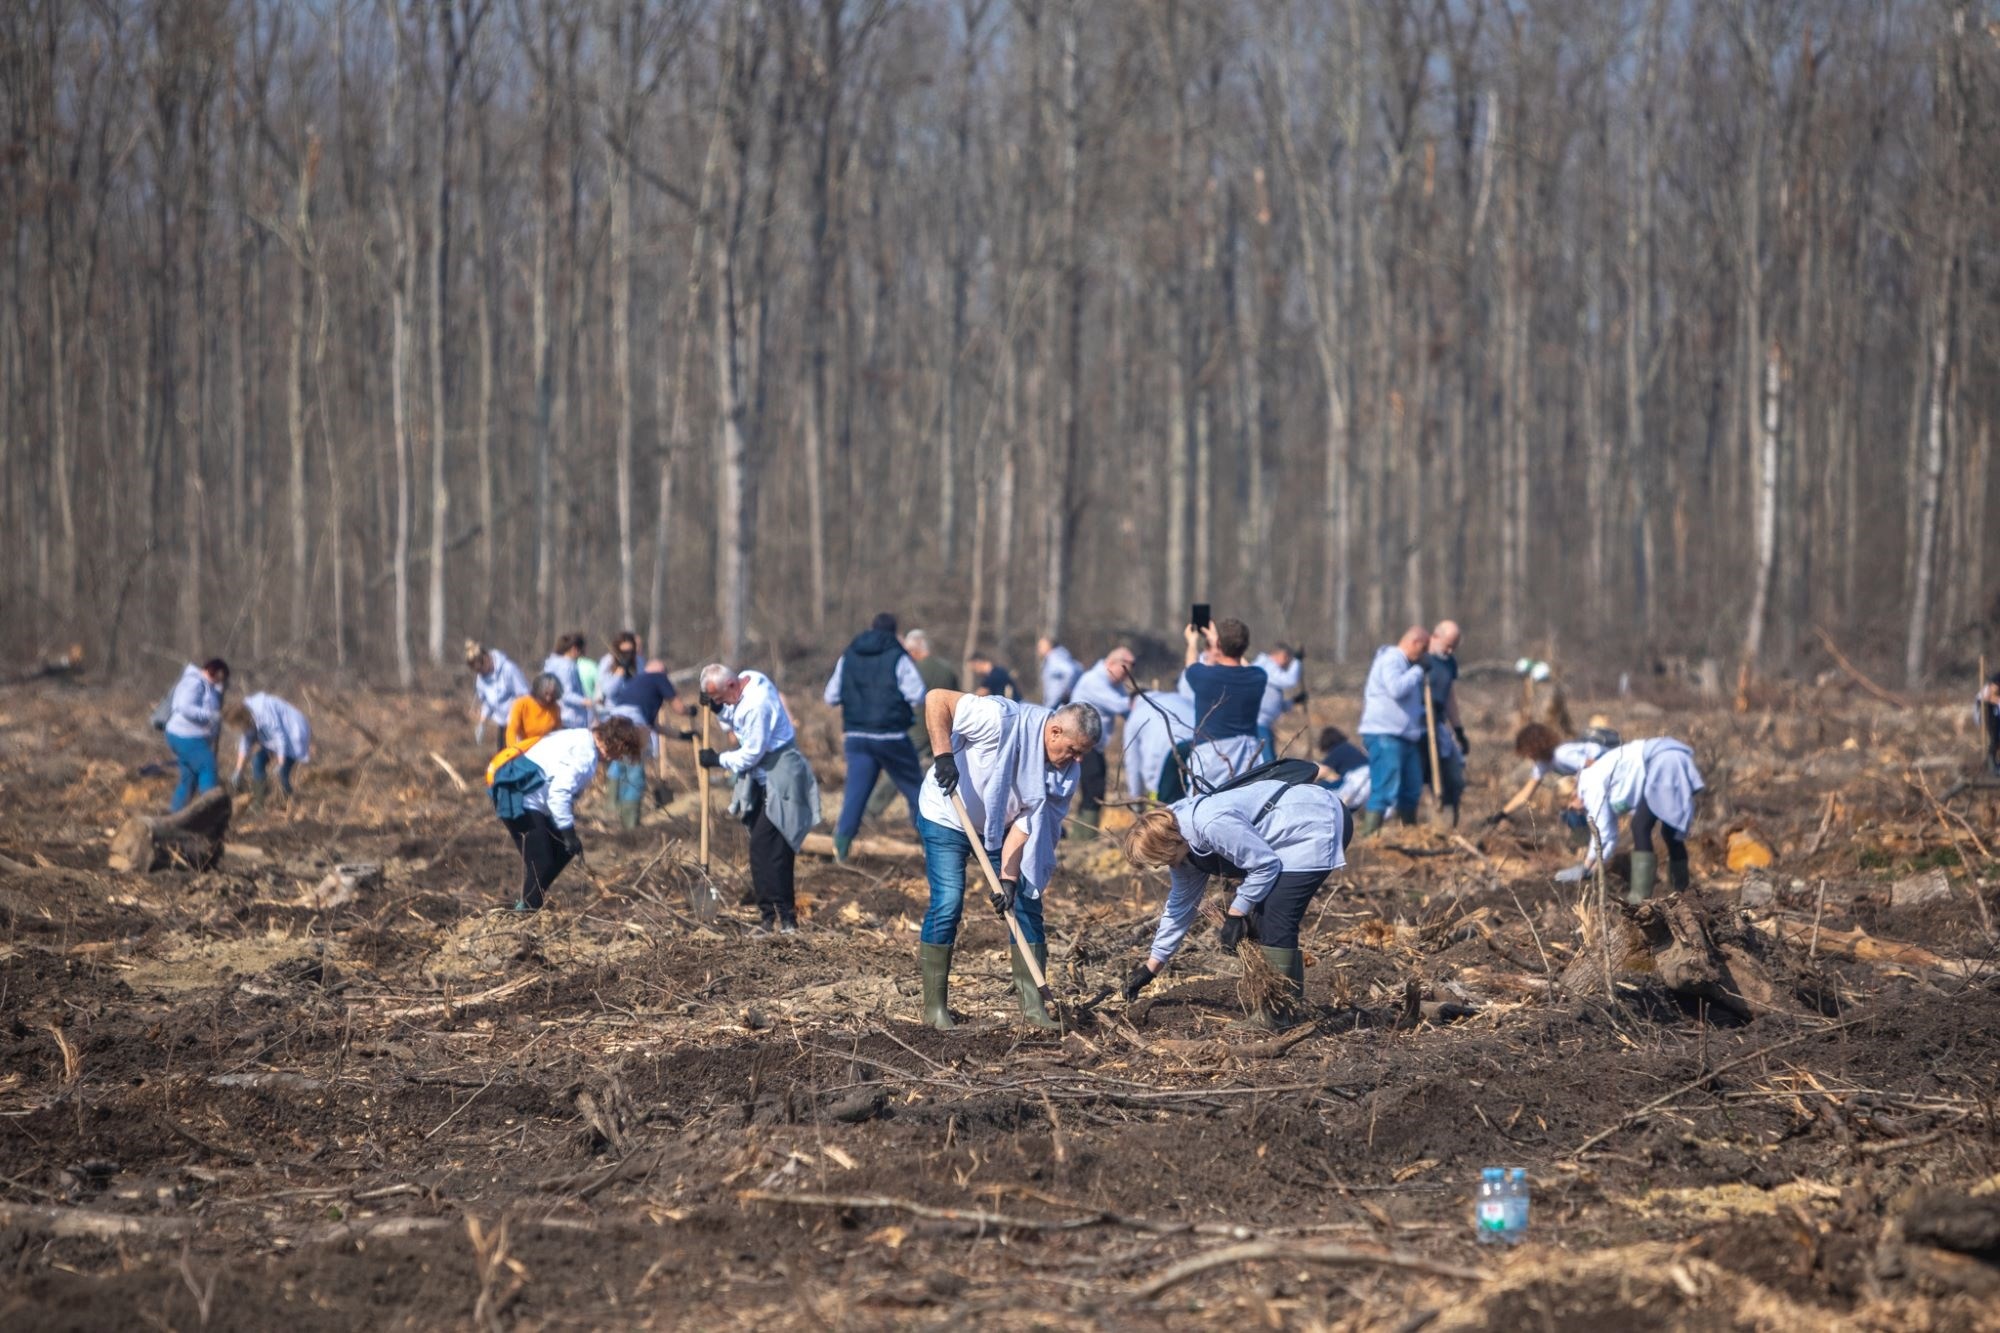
(909, 680)
(832, 695)
(753, 737)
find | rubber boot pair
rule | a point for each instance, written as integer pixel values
(1371, 822)
(260, 792)
(1645, 869)
(628, 813)
(1032, 1007)
(1289, 964)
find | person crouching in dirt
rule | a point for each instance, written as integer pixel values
(1016, 767)
(777, 796)
(272, 728)
(1540, 745)
(1280, 840)
(496, 684)
(535, 714)
(1656, 782)
(535, 790)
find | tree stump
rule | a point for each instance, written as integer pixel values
(1670, 937)
(191, 838)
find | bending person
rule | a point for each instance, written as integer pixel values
(271, 727)
(1654, 781)
(534, 793)
(777, 797)
(496, 684)
(1016, 766)
(1279, 840)
(1550, 754)
(535, 714)
(192, 722)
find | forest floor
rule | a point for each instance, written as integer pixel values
(225, 1105)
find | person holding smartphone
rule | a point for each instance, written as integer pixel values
(1227, 695)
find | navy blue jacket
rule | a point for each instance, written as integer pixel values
(870, 698)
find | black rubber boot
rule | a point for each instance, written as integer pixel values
(1645, 868)
(1032, 1007)
(934, 963)
(1677, 875)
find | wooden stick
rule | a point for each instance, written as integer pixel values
(1295, 1252)
(993, 882)
(702, 777)
(1840, 658)
(1431, 736)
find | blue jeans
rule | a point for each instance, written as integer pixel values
(1396, 772)
(196, 755)
(1269, 753)
(260, 764)
(866, 760)
(628, 780)
(947, 853)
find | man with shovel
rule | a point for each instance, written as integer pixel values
(1004, 773)
(776, 794)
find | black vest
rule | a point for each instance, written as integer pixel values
(870, 699)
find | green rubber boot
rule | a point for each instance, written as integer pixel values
(1371, 822)
(1289, 964)
(934, 962)
(260, 791)
(1677, 875)
(628, 814)
(1032, 1007)
(1645, 867)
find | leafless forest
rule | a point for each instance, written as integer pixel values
(337, 330)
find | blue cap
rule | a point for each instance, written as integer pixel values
(1491, 1173)
(1517, 1173)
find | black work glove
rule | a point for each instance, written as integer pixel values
(686, 735)
(1299, 699)
(1498, 817)
(1464, 745)
(572, 841)
(1235, 929)
(1426, 661)
(1003, 897)
(946, 768)
(1142, 977)
(710, 702)
(709, 759)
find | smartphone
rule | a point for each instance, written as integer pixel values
(1199, 617)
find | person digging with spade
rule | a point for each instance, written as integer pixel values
(1280, 840)
(1015, 766)
(535, 790)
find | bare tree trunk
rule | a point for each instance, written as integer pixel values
(1929, 483)
(621, 375)
(1062, 498)
(1764, 572)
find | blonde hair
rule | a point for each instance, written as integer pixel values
(1155, 840)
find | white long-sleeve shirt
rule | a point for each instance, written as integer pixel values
(280, 728)
(1278, 682)
(568, 758)
(1096, 688)
(1659, 771)
(196, 705)
(575, 704)
(1059, 672)
(499, 688)
(1571, 758)
(759, 722)
(1302, 833)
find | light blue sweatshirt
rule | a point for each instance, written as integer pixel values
(196, 706)
(1392, 703)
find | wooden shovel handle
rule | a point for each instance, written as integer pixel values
(993, 882)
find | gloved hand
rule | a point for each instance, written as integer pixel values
(1003, 897)
(572, 841)
(1142, 977)
(709, 759)
(1235, 929)
(1299, 699)
(1572, 875)
(946, 768)
(1464, 745)
(710, 702)
(1497, 818)
(686, 735)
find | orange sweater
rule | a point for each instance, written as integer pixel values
(530, 720)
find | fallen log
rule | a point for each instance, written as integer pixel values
(1670, 938)
(886, 849)
(68, 1223)
(193, 837)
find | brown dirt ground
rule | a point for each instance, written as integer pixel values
(414, 1111)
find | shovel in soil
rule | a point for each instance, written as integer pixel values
(1013, 926)
(703, 898)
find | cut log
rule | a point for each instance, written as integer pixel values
(886, 849)
(192, 838)
(1670, 938)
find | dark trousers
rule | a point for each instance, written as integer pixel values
(543, 853)
(1992, 731)
(1452, 788)
(260, 767)
(771, 859)
(1091, 775)
(1643, 823)
(867, 760)
(1277, 919)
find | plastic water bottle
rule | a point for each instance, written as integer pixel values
(1489, 1209)
(1501, 1208)
(1517, 1205)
